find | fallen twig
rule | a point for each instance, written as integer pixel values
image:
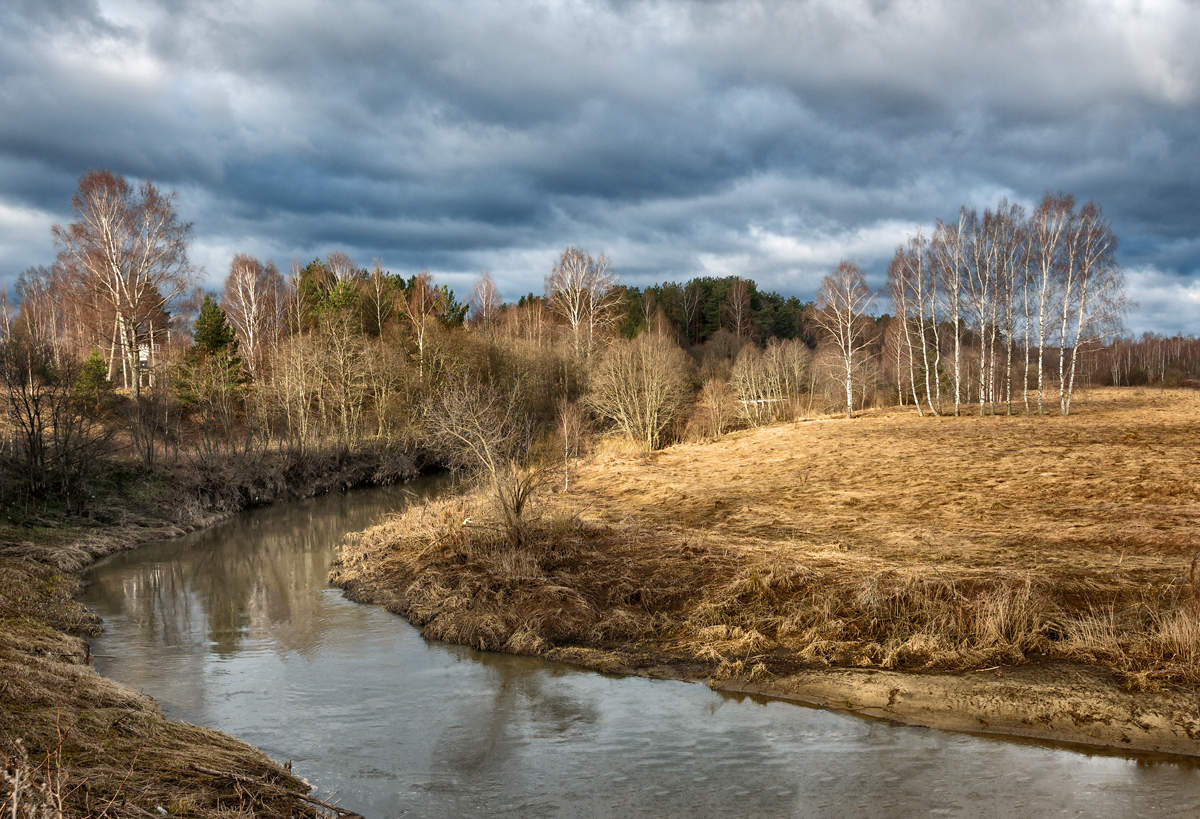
(254, 780)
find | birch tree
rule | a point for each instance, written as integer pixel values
(581, 290)
(485, 300)
(907, 264)
(1093, 293)
(128, 246)
(948, 253)
(380, 290)
(421, 302)
(251, 303)
(842, 304)
(736, 308)
(1049, 228)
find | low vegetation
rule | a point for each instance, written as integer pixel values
(892, 541)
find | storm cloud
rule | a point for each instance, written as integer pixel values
(764, 139)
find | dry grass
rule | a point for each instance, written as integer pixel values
(888, 541)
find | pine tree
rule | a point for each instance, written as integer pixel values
(213, 333)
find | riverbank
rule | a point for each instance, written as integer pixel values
(84, 745)
(1012, 575)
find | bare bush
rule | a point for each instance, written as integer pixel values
(768, 383)
(641, 386)
(53, 446)
(35, 790)
(486, 433)
(716, 410)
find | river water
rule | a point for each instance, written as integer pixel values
(236, 628)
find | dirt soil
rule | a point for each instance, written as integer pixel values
(1027, 576)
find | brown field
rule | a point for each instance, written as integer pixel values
(887, 543)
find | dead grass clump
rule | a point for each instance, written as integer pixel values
(1176, 638)
(447, 568)
(33, 789)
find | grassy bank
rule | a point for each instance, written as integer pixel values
(84, 745)
(886, 545)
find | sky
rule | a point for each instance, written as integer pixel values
(682, 137)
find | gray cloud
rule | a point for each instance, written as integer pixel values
(767, 139)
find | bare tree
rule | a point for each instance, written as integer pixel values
(580, 289)
(380, 289)
(129, 247)
(900, 274)
(1093, 291)
(572, 427)
(717, 408)
(487, 433)
(420, 304)
(341, 266)
(641, 386)
(950, 257)
(1049, 231)
(1010, 234)
(768, 383)
(690, 308)
(485, 300)
(842, 304)
(251, 302)
(736, 308)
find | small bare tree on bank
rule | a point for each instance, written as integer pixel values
(842, 304)
(572, 426)
(487, 434)
(580, 289)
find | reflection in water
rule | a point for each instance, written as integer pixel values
(235, 628)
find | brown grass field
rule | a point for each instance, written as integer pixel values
(887, 543)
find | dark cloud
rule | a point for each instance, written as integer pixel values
(768, 139)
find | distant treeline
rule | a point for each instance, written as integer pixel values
(112, 352)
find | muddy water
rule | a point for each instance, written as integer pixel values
(235, 628)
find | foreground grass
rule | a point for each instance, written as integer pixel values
(885, 542)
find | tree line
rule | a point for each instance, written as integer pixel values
(114, 351)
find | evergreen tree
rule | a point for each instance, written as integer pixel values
(213, 333)
(92, 387)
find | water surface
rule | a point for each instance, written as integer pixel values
(236, 628)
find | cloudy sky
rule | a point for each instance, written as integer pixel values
(768, 140)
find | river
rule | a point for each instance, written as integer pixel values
(236, 628)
